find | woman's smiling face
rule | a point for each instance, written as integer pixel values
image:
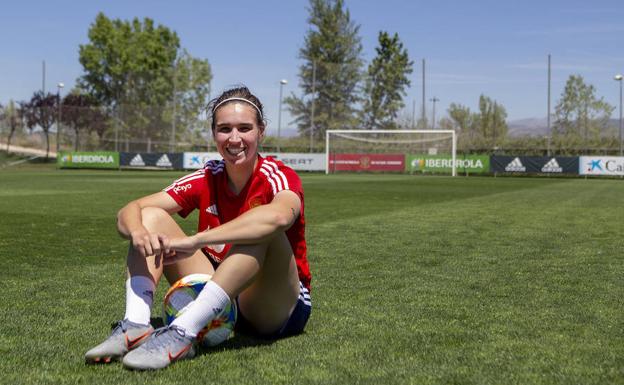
(237, 133)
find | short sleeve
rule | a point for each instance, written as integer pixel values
(294, 182)
(281, 177)
(187, 190)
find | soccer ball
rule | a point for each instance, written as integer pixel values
(182, 293)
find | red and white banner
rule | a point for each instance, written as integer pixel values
(367, 162)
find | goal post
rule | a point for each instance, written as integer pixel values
(386, 150)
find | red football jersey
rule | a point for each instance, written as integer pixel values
(207, 190)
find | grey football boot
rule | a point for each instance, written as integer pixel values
(163, 347)
(126, 335)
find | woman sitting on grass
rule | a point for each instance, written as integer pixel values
(251, 239)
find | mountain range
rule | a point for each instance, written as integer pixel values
(517, 128)
(539, 126)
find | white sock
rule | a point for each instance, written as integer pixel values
(139, 298)
(210, 302)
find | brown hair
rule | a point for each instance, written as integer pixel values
(240, 92)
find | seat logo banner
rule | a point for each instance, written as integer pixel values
(367, 162)
(99, 159)
(472, 164)
(601, 165)
(535, 164)
(300, 161)
(160, 160)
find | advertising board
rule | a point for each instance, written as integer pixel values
(296, 161)
(97, 159)
(367, 162)
(534, 164)
(471, 164)
(162, 160)
(601, 165)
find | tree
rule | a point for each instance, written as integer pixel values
(130, 64)
(192, 77)
(99, 121)
(41, 111)
(76, 109)
(462, 117)
(384, 86)
(484, 129)
(580, 117)
(12, 116)
(491, 122)
(331, 71)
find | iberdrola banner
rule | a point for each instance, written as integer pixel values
(97, 159)
(471, 164)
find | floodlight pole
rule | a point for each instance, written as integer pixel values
(313, 103)
(283, 82)
(619, 77)
(172, 138)
(59, 87)
(433, 100)
(424, 108)
(548, 113)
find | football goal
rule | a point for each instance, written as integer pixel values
(388, 150)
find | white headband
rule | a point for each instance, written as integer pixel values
(214, 110)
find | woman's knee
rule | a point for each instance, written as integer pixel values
(153, 217)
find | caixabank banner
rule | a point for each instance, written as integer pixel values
(471, 164)
(98, 159)
(167, 160)
(196, 160)
(535, 164)
(601, 165)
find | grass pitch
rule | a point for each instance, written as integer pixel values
(432, 280)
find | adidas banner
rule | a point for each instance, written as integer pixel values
(535, 164)
(154, 160)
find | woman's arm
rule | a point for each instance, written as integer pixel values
(130, 223)
(253, 226)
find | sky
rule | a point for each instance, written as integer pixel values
(498, 48)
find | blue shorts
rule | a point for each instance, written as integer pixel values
(292, 326)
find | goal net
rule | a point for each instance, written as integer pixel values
(399, 151)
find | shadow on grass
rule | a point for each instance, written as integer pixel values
(240, 340)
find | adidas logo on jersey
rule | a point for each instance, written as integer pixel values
(212, 210)
(137, 161)
(552, 166)
(515, 165)
(164, 161)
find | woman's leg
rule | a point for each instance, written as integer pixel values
(264, 276)
(143, 275)
(159, 221)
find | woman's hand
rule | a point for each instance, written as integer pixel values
(148, 244)
(180, 248)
